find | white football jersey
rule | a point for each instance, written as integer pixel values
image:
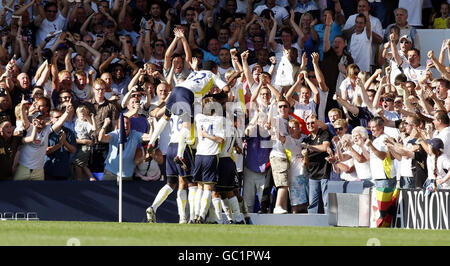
(213, 125)
(201, 82)
(176, 124)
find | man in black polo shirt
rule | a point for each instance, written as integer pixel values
(317, 143)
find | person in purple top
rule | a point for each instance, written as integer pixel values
(256, 159)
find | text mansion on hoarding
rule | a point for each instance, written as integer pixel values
(417, 210)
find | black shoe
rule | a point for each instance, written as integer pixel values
(247, 220)
(263, 210)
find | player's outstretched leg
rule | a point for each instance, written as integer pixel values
(162, 195)
(159, 127)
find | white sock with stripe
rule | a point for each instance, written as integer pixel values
(218, 209)
(206, 200)
(197, 202)
(191, 201)
(226, 209)
(162, 195)
(181, 203)
(212, 217)
(184, 134)
(235, 208)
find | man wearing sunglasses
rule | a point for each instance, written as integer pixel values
(278, 158)
(389, 113)
(317, 144)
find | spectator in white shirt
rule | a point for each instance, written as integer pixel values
(360, 41)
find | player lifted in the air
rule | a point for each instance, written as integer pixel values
(181, 102)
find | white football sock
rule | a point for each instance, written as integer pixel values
(191, 200)
(217, 209)
(212, 217)
(206, 200)
(184, 134)
(197, 202)
(159, 127)
(162, 195)
(226, 209)
(235, 208)
(181, 203)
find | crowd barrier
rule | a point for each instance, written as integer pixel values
(350, 204)
(83, 201)
(98, 201)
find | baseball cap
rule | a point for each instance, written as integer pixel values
(436, 143)
(37, 114)
(406, 37)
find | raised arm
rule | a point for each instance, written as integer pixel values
(394, 50)
(187, 50)
(58, 125)
(235, 60)
(83, 29)
(318, 72)
(326, 34)
(272, 43)
(294, 86)
(104, 66)
(65, 9)
(350, 107)
(247, 72)
(169, 52)
(313, 88)
(440, 67)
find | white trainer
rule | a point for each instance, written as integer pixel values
(279, 210)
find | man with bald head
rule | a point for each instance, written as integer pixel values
(21, 88)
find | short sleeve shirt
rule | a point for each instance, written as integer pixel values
(319, 168)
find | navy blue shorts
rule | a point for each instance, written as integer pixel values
(180, 101)
(227, 175)
(173, 170)
(205, 169)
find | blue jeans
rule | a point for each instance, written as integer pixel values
(318, 195)
(407, 182)
(386, 183)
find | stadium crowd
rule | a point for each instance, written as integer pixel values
(304, 92)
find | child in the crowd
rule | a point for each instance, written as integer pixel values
(84, 127)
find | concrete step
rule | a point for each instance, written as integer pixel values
(290, 219)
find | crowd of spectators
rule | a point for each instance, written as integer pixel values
(329, 89)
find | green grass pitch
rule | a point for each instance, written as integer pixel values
(59, 233)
